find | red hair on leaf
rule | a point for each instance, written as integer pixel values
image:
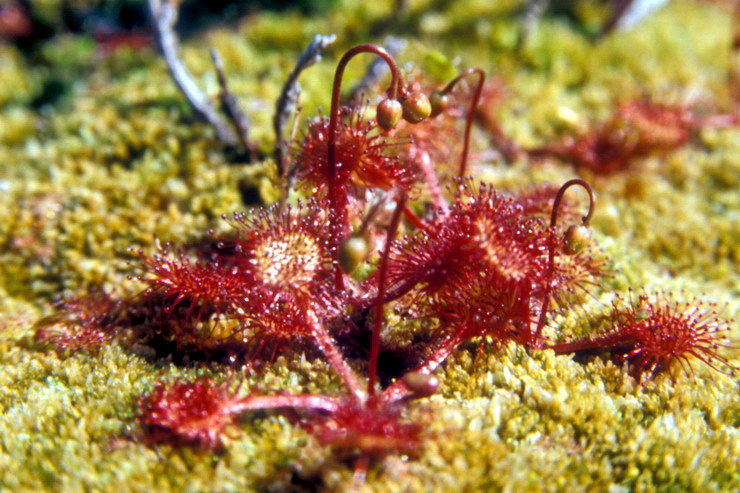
(652, 332)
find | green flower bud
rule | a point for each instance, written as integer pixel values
(388, 113)
(416, 107)
(439, 101)
(577, 237)
(352, 252)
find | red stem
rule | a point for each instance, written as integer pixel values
(551, 249)
(605, 341)
(307, 401)
(363, 461)
(413, 218)
(338, 217)
(471, 112)
(337, 362)
(378, 321)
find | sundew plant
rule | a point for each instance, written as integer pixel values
(433, 247)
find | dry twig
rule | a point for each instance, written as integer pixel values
(288, 98)
(230, 106)
(165, 14)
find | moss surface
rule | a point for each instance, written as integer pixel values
(118, 158)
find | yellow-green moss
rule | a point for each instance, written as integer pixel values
(120, 159)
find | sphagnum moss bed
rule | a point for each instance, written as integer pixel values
(119, 160)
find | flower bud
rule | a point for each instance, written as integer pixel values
(416, 107)
(577, 237)
(353, 251)
(421, 384)
(439, 101)
(388, 113)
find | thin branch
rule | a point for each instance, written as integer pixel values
(165, 14)
(289, 96)
(287, 175)
(230, 105)
(530, 17)
(626, 14)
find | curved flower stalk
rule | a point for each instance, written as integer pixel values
(576, 239)
(400, 103)
(440, 101)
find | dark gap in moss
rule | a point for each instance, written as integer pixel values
(249, 193)
(52, 91)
